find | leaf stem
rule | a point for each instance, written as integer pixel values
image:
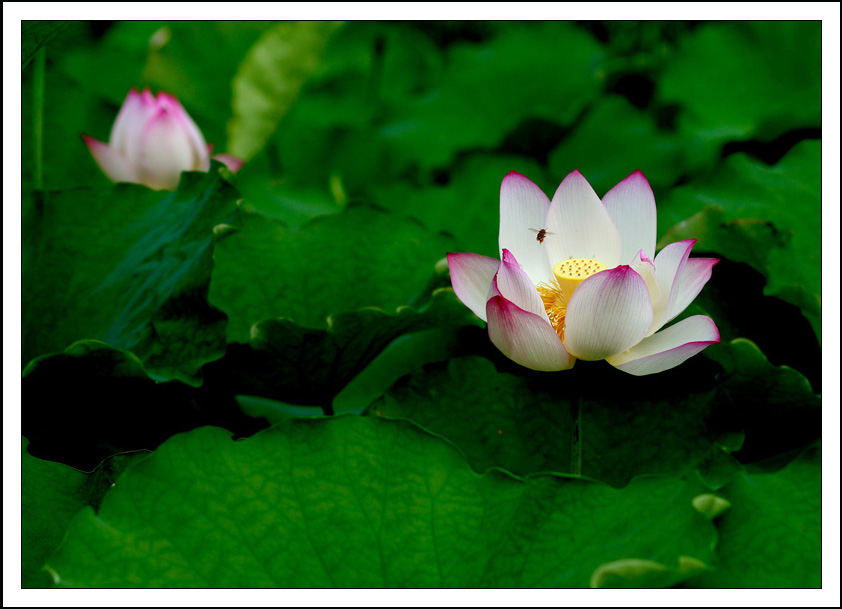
(576, 443)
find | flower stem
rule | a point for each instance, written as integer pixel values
(38, 119)
(576, 443)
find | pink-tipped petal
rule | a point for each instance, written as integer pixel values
(128, 130)
(582, 226)
(471, 276)
(233, 163)
(515, 285)
(668, 266)
(608, 313)
(525, 338)
(197, 140)
(645, 267)
(509, 258)
(129, 122)
(110, 161)
(694, 275)
(148, 99)
(523, 210)
(165, 151)
(668, 348)
(631, 204)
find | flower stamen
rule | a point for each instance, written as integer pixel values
(556, 292)
(555, 304)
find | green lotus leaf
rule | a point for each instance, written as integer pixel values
(130, 267)
(528, 423)
(768, 217)
(736, 81)
(359, 258)
(363, 502)
(543, 70)
(771, 535)
(51, 493)
(612, 141)
(468, 206)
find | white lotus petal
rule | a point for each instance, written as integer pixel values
(129, 122)
(668, 265)
(165, 151)
(525, 338)
(694, 275)
(201, 151)
(582, 226)
(112, 163)
(631, 204)
(645, 267)
(523, 206)
(471, 276)
(516, 286)
(669, 347)
(608, 313)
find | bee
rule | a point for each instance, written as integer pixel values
(542, 234)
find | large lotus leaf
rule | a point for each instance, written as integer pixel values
(93, 400)
(130, 267)
(542, 70)
(345, 160)
(628, 425)
(734, 299)
(359, 258)
(284, 361)
(377, 66)
(613, 140)
(749, 193)
(292, 204)
(468, 206)
(71, 247)
(51, 493)
(366, 69)
(771, 535)
(329, 136)
(773, 405)
(356, 502)
(744, 80)
(269, 78)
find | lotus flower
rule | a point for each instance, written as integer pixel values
(152, 141)
(579, 279)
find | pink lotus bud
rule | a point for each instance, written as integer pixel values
(152, 142)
